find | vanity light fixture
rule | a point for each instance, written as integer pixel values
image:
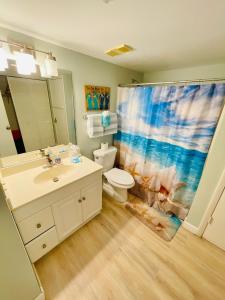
(25, 63)
(49, 67)
(3, 60)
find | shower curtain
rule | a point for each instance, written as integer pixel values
(163, 140)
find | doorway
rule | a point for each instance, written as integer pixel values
(25, 109)
(215, 228)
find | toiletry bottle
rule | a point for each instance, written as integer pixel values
(58, 158)
(49, 155)
(75, 153)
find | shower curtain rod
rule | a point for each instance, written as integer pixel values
(173, 82)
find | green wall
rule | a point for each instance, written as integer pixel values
(197, 72)
(85, 70)
(17, 277)
(215, 162)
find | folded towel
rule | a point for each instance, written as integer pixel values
(95, 128)
(113, 117)
(95, 131)
(112, 126)
(111, 131)
(94, 120)
(106, 119)
(95, 135)
(113, 121)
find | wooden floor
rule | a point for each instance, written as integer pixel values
(116, 257)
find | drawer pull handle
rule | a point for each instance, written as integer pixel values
(84, 198)
(79, 200)
(44, 246)
(38, 225)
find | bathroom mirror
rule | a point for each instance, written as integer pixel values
(36, 113)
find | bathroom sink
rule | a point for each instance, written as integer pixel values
(53, 173)
(27, 183)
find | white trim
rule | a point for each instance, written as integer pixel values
(209, 210)
(40, 296)
(193, 229)
(212, 204)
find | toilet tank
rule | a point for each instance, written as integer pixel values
(105, 158)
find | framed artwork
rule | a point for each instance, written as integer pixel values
(97, 97)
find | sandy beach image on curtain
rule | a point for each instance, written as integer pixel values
(163, 140)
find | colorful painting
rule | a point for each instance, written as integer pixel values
(97, 97)
(163, 140)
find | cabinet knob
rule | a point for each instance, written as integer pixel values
(83, 198)
(44, 246)
(79, 200)
(38, 225)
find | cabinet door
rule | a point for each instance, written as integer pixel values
(68, 215)
(91, 200)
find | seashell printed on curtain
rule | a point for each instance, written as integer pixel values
(163, 139)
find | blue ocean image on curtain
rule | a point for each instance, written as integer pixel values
(163, 140)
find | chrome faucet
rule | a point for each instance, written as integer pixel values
(51, 163)
(42, 151)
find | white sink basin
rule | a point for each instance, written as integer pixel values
(31, 183)
(54, 173)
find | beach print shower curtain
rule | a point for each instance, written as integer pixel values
(163, 140)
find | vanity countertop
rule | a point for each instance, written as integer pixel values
(33, 183)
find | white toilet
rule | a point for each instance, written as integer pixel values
(116, 182)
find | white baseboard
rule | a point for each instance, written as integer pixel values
(193, 229)
(40, 297)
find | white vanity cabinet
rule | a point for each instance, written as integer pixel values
(48, 220)
(68, 215)
(36, 224)
(90, 200)
(76, 209)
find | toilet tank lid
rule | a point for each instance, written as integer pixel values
(101, 152)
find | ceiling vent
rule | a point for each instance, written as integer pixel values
(119, 50)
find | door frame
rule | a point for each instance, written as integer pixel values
(212, 204)
(10, 140)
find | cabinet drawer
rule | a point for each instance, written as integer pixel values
(36, 224)
(42, 244)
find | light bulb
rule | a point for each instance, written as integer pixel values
(43, 71)
(49, 67)
(3, 60)
(25, 63)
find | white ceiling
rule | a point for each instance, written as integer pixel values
(165, 34)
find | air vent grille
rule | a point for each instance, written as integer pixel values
(119, 50)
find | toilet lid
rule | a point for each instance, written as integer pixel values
(119, 176)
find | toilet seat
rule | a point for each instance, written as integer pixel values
(119, 178)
